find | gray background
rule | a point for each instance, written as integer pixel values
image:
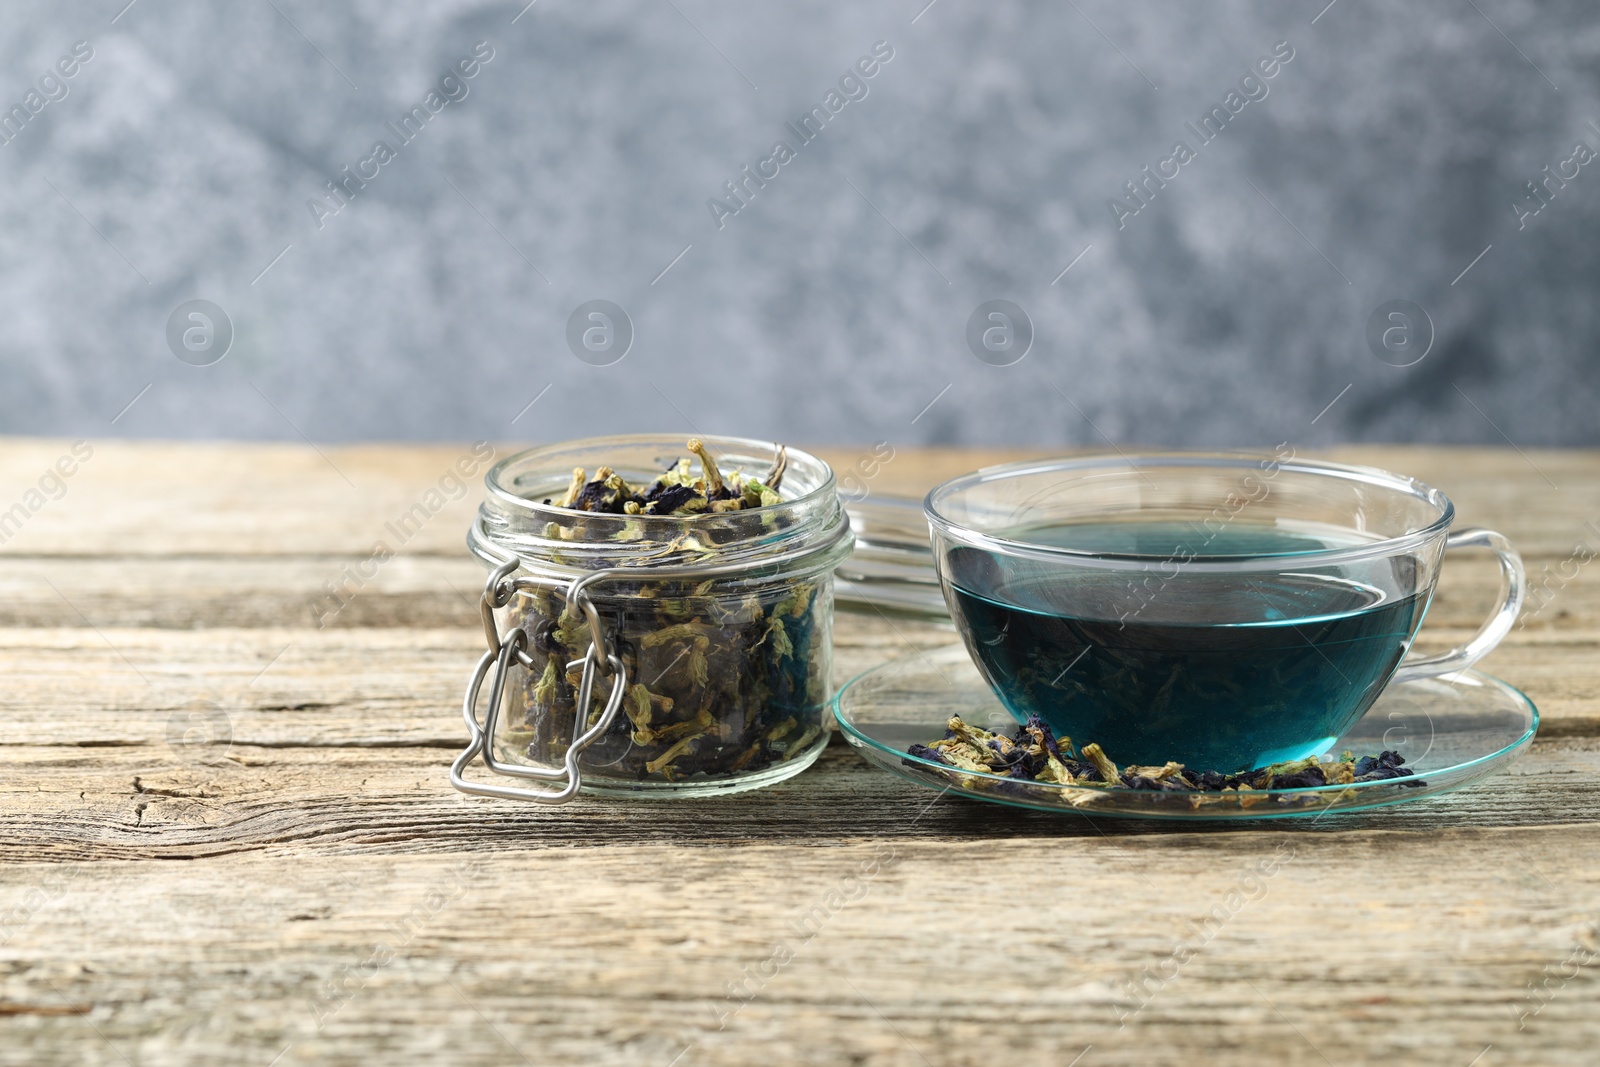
(1385, 159)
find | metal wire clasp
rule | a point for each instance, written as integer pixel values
(503, 651)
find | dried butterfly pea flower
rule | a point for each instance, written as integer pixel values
(713, 476)
(676, 491)
(1032, 753)
(1303, 779)
(1102, 763)
(723, 678)
(775, 475)
(574, 489)
(670, 499)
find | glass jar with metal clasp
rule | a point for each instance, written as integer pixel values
(651, 655)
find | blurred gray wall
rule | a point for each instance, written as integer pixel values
(1232, 308)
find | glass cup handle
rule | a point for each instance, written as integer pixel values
(1513, 587)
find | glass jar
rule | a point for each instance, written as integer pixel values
(689, 654)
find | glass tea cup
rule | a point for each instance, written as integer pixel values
(1225, 611)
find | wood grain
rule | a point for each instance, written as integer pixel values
(160, 499)
(307, 887)
(159, 802)
(422, 591)
(890, 951)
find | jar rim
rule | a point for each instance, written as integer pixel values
(512, 522)
(492, 477)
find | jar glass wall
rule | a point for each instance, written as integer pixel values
(723, 621)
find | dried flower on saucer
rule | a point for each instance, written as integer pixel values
(1033, 754)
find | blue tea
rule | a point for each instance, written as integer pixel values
(1223, 672)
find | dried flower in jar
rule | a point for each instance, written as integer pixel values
(676, 491)
(726, 676)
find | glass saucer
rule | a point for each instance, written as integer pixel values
(1452, 730)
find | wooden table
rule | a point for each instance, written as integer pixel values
(307, 888)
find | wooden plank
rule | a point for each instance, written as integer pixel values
(151, 802)
(432, 591)
(409, 591)
(85, 686)
(154, 498)
(610, 931)
(163, 499)
(1295, 949)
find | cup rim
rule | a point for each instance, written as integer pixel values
(1237, 460)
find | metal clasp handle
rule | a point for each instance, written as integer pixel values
(502, 653)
